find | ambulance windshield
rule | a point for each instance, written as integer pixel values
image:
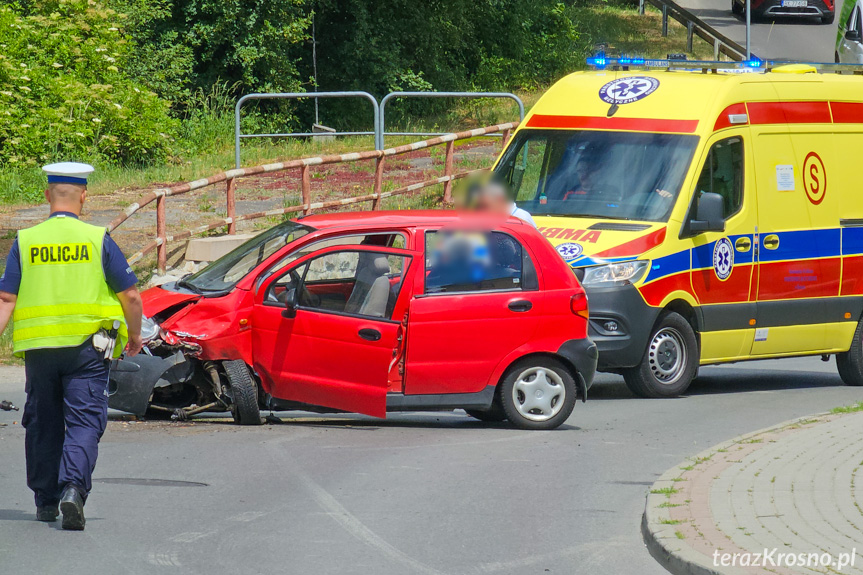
(609, 175)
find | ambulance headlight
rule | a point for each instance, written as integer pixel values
(615, 274)
(149, 329)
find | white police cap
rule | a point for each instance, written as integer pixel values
(68, 173)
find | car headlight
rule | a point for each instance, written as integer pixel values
(615, 274)
(149, 329)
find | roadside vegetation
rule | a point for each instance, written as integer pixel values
(144, 89)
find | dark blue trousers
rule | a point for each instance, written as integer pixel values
(64, 418)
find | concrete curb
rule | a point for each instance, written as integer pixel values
(657, 529)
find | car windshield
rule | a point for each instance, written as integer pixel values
(609, 175)
(225, 272)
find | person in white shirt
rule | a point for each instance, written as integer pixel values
(492, 197)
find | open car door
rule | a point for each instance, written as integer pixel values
(323, 329)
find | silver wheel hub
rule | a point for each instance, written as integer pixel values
(666, 356)
(538, 394)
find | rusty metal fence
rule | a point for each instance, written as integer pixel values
(231, 177)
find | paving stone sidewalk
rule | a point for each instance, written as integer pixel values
(796, 488)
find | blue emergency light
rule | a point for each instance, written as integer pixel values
(754, 64)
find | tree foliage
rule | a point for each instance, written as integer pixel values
(64, 89)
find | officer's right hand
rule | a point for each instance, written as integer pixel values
(134, 346)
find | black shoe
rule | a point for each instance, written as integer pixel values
(47, 513)
(72, 506)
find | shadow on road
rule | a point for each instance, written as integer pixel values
(731, 380)
(17, 515)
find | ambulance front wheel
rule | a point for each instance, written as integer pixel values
(670, 361)
(850, 363)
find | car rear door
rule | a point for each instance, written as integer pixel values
(338, 348)
(461, 328)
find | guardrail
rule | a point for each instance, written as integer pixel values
(379, 130)
(722, 44)
(238, 135)
(160, 195)
(469, 95)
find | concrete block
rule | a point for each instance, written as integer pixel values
(211, 249)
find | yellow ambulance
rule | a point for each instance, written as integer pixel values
(712, 215)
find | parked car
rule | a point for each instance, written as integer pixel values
(825, 10)
(849, 39)
(370, 312)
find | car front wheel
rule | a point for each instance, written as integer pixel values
(538, 393)
(244, 393)
(670, 361)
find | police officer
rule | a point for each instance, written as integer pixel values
(69, 286)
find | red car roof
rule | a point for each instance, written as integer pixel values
(404, 218)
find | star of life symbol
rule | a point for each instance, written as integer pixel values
(569, 251)
(628, 90)
(723, 259)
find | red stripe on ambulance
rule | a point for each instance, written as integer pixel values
(602, 123)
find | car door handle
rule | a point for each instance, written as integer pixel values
(520, 305)
(369, 334)
(770, 242)
(743, 244)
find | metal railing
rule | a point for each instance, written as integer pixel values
(469, 95)
(695, 26)
(378, 109)
(238, 135)
(160, 195)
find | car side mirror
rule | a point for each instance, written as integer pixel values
(708, 215)
(290, 310)
(853, 36)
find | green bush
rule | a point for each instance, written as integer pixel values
(65, 93)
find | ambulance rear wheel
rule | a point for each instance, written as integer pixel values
(850, 363)
(670, 361)
(244, 393)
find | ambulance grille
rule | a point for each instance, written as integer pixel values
(614, 227)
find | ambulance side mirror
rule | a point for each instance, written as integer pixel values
(853, 36)
(707, 216)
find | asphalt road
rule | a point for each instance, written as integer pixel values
(784, 39)
(416, 494)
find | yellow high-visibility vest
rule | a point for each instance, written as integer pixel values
(64, 298)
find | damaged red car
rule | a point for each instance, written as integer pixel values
(369, 312)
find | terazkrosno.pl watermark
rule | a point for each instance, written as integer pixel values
(775, 558)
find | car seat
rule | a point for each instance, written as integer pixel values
(372, 287)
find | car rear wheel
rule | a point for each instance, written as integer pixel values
(736, 8)
(538, 393)
(670, 361)
(244, 393)
(850, 363)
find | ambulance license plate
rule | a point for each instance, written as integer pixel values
(794, 3)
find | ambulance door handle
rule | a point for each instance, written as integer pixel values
(770, 242)
(743, 244)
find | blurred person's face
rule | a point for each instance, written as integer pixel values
(492, 199)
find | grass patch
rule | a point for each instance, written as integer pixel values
(626, 32)
(668, 491)
(670, 522)
(679, 535)
(848, 408)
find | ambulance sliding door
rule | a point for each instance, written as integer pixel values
(722, 262)
(799, 241)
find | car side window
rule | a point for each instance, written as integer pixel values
(473, 262)
(388, 240)
(723, 174)
(346, 281)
